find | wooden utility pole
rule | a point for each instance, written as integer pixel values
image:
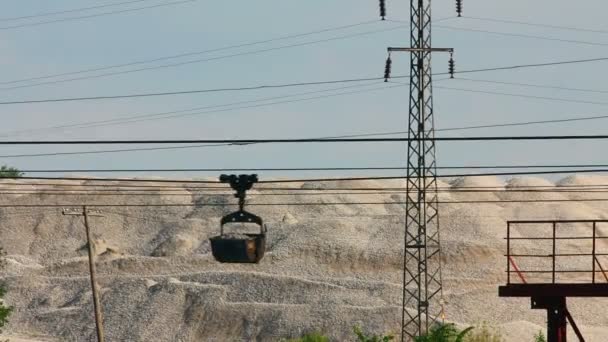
(92, 268)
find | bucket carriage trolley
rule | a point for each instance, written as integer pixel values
(238, 247)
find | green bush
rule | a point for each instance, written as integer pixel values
(5, 311)
(9, 172)
(444, 333)
(312, 337)
(484, 333)
(540, 337)
(362, 337)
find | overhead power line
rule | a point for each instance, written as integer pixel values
(63, 185)
(524, 123)
(556, 99)
(201, 110)
(39, 23)
(188, 193)
(211, 109)
(531, 85)
(512, 124)
(295, 192)
(194, 53)
(532, 65)
(74, 10)
(520, 35)
(189, 92)
(526, 23)
(526, 96)
(203, 60)
(309, 180)
(271, 86)
(289, 169)
(141, 149)
(282, 204)
(305, 140)
(485, 174)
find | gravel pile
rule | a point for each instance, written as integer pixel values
(327, 268)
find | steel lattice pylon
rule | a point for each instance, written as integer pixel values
(422, 283)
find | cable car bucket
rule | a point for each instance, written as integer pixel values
(239, 248)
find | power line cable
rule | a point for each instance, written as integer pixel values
(304, 140)
(281, 204)
(512, 124)
(188, 92)
(200, 110)
(524, 123)
(181, 55)
(531, 85)
(51, 154)
(94, 15)
(287, 169)
(203, 60)
(519, 35)
(133, 180)
(225, 192)
(556, 99)
(534, 97)
(310, 180)
(520, 22)
(532, 65)
(74, 10)
(148, 117)
(62, 193)
(166, 115)
(285, 85)
(354, 179)
(320, 41)
(158, 187)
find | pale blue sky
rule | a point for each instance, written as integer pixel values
(201, 25)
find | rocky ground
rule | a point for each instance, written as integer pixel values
(327, 268)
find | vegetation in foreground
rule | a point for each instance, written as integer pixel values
(9, 172)
(484, 333)
(540, 337)
(444, 333)
(361, 337)
(439, 333)
(5, 311)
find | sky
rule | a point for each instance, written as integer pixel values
(195, 26)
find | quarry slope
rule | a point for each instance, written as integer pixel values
(327, 268)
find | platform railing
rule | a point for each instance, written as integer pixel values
(597, 268)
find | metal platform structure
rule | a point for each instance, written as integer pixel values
(559, 262)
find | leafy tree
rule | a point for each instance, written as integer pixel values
(9, 172)
(373, 338)
(444, 333)
(540, 337)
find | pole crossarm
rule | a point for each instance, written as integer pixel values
(423, 49)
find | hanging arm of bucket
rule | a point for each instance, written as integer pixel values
(243, 216)
(241, 184)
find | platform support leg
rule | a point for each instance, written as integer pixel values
(556, 316)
